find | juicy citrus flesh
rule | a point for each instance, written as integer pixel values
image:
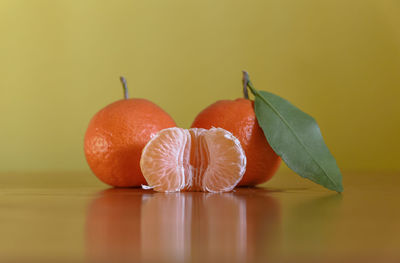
(197, 159)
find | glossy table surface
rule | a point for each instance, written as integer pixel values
(72, 217)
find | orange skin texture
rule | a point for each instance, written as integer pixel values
(116, 136)
(238, 117)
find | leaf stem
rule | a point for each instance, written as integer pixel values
(125, 87)
(247, 84)
(245, 81)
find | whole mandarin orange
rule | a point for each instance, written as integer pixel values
(238, 117)
(116, 136)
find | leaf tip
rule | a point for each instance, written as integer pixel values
(337, 188)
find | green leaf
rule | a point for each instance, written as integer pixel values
(296, 138)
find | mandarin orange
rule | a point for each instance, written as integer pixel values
(238, 117)
(193, 160)
(116, 136)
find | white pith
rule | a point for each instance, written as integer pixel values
(176, 157)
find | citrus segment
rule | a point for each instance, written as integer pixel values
(162, 160)
(176, 159)
(227, 161)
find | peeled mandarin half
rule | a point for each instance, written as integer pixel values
(197, 159)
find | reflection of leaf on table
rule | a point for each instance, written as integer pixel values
(310, 223)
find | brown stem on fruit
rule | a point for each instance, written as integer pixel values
(245, 81)
(124, 85)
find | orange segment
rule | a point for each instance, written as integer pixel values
(227, 161)
(193, 160)
(162, 160)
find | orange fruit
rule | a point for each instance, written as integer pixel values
(238, 117)
(193, 160)
(116, 136)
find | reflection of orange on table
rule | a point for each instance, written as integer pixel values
(71, 218)
(113, 226)
(178, 227)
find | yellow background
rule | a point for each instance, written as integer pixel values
(60, 62)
